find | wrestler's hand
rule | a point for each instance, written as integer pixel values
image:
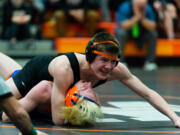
(5, 118)
(39, 133)
(85, 89)
(82, 85)
(177, 123)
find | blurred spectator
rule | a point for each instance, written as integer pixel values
(136, 20)
(178, 5)
(104, 6)
(38, 14)
(166, 14)
(77, 12)
(16, 18)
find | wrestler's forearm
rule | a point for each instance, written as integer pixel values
(17, 114)
(160, 104)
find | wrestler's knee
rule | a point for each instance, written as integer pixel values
(45, 91)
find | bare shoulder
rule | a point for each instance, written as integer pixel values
(60, 66)
(80, 57)
(120, 72)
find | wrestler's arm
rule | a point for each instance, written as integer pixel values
(18, 115)
(62, 80)
(39, 94)
(123, 74)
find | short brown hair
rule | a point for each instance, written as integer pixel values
(107, 47)
(110, 45)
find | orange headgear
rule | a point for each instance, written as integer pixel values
(73, 95)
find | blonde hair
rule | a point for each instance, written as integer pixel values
(84, 112)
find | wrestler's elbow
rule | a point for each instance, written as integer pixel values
(58, 122)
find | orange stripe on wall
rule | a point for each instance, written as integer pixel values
(132, 50)
(71, 44)
(164, 48)
(176, 48)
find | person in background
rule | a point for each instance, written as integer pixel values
(166, 16)
(104, 6)
(136, 21)
(38, 12)
(78, 12)
(16, 18)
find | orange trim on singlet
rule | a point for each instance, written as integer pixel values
(102, 42)
(106, 55)
(9, 75)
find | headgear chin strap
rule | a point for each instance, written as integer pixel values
(86, 98)
(73, 95)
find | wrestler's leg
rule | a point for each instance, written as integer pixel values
(7, 66)
(10, 83)
(39, 94)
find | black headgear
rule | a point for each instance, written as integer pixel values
(90, 56)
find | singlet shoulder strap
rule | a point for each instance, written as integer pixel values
(74, 65)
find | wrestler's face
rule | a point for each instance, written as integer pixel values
(102, 66)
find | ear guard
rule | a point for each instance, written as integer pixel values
(89, 55)
(91, 51)
(73, 95)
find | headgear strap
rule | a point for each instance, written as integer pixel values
(106, 55)
(103, 54)
(102, 42)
